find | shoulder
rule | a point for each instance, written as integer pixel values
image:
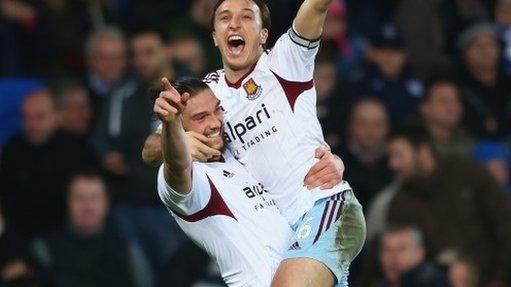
(14, 143)
(213, 78)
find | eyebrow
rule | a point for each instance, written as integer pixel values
(198, 115)
(229, 11)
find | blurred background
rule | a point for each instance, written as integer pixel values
(413, 95)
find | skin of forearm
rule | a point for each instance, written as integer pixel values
(175, 151)
(152, 152)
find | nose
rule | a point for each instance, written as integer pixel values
(234, 23)
(214, 122)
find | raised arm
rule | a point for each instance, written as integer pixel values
(197, 144)
(176, 156)
(310, 18)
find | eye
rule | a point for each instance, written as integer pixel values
(200, 118)
(224, 18)
(247, 17)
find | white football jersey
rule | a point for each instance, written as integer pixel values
(270, 122)
(233, 218)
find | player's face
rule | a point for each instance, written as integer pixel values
(203, 115)
(238, 33)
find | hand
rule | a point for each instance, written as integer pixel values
(170, 104)
(198, 145)
(114, 162)
(327, 172)
(16, 11)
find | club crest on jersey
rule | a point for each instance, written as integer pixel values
(253, 90)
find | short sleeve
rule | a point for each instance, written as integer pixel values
(190, 203)
(292, 57)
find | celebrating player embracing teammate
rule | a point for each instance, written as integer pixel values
(270, 126)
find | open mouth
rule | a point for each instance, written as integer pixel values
(236, 44)
(214, 135)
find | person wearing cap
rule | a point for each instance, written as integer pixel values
(485, 88)
(388, 76)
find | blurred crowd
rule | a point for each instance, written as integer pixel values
(413, 95)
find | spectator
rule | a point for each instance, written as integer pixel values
(455, 202)
(493, 157)
(388, 76)
(87, 252)
(150, 60)
(73, 108)
(402, 256)
(350, 46)
(14, 269)
(125, 122)
(425, 34)
(12, 93)
(330, 97)
(442, 112)
(187, 51)
(503, 19)
(106, 59)
(18, 20)
(198, 22)
(365, 150)
(35, 167)
(462, 273)
(486, 89)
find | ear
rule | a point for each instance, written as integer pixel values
(213, 34)
(264, 36)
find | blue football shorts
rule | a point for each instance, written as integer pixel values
(332, 232)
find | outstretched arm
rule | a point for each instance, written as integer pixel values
(310, 18)
(197, 144)
(176, 157)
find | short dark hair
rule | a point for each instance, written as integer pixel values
(190, 85)
(263, 8)
(62, 86)
(157, 31)
(417, 234)
(87, 174)
(415, 133)
(444, 77)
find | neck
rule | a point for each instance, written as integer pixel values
(487, 76)
(234, 75)
(439, 133)
(366, 155)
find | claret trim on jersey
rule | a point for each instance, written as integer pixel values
(237, 85)
(293, 89)
(216, 206)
